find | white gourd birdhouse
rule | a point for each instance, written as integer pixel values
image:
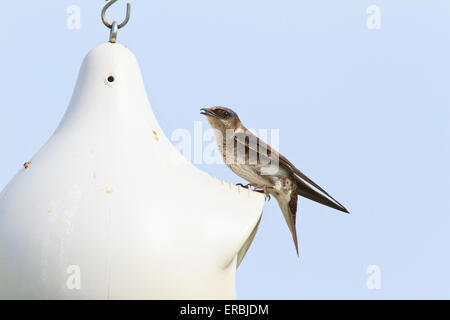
(108, 208)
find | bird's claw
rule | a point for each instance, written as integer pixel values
(243, 186)
(262, 189)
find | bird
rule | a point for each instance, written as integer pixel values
(266, 169)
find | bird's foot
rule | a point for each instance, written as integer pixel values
(245, 187)
(262, 189)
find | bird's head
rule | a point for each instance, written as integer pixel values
(221, 118)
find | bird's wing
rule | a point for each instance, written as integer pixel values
(247, 141)
(306, 186)
(306, 191)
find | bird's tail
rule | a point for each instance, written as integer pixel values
(288, 205)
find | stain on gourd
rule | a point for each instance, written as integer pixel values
(155, 135)
(26, 165)
(109, 190)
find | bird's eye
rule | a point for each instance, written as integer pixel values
(226, 114)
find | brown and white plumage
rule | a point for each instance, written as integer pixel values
(255, 161)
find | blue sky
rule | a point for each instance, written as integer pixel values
(363, 112)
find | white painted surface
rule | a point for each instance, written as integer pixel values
(108, 193)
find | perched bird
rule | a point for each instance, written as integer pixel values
(266, 169)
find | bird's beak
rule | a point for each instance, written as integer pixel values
(207, 112)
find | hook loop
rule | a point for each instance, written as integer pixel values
(109, 25)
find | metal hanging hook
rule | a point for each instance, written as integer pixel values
(113, 33)
(114, 26)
